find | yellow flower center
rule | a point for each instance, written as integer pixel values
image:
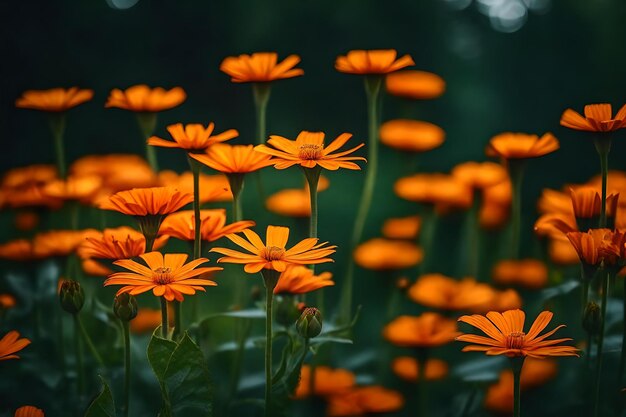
(310, 151)
(162, 276)
(515, 340)
(273, 253)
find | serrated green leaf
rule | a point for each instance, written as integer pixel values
(103, 405)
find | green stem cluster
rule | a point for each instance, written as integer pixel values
(270, 279)
(127, 374)
(261, 97)
(606, 278)
(147, 124)
(57, 126)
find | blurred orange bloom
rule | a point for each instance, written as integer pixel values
(119, 172)
(418, 85)
(364, 400)
(273, 254)
(26, 220)
(11, 344)
(378, 61)
(192, 137)
(384, 254)
(167, 276)
(562, 252)
(74, 188)
(480, 175)
(598, 118)
(28, 411)
(28, 196)
(147, 201)
(553, 201)
(507, 337)
(298, 279)
(428, 330)
(555, 225)
(60, 242)
(95, 268)
(141, 98)
(444, 191)
(213, 225)
(521, 145)
(439, 291)
(7, 301)
(411, 135)
(294, 202)
(308, 151)
(53, 100)
(146, 321)
(118, 243)
(260, 67)
(402, 227)
(492, 216)
(528, 273)
(17, 250)
(328, 381)
(37, 174)
(407, 368)
(213, 188)
(233, 159)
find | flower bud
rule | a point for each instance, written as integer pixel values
(71, 296)
(125, 306)
(310, 323)
(592, 319)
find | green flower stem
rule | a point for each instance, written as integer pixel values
(242, 329)
(622, 358)
(606, 277)
(473, 238)
(516, 364)
(149, 226)
(74, 209)
(270, 279)
(261, 97)
(313, 176)
(127, 373)
(195, 167)
(178, 319)
(88, 341)
(57, 126)
(164, 322)
(430, 219)
(372, 89)
(516, 171)
(603, 146)
(80, 366)
(236, 187)
(147, 124)
(422, 393)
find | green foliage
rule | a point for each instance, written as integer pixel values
(103, 405)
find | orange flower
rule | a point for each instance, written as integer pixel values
(260, 67)
(29, 175)
(60, 242)
(598, 118)
(95, 268)
(53, 100)
(29, 196)
(273, 254)
(418, 85)
(380, 61)
(294, 202)
(562, 252)
(7, 301)
(507, 337)
(439, 291)
(119, 243)
(213, 188)
(192, 137)
(402, 227)
(480, 175)
(529, 273)
(502, 301)
(383, 254)
(141, 98)
(17, 250)
(444, 191)
(213, 225)
(521, 145)
(11, 344)
(555, 225)
(364, 400)
(597, 245)
(74, 188)
(119, 172)
(587, 202)
(308, 151)
(26, 220)
(411, 135)
(233, 159)
(146, 321)
(167, 276)
(553, 201)
(328, 381)
(28, 411)
(298, 279)
(492, 216)
(147, 201)
(407, 368)
(428, 330)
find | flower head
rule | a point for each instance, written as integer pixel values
(597, 245)
(273, 254)
(402, 227)
(74, 188)
(407, 368)
(147, 320)
(428, 330)
(17, 250)
(11, 344)
(7, 301)
(411, 135)
(119, 243)
(328, 381)
(141, 98)
(260, 67)
(298, 279)
(521, 145)
(294, 202)
(385, 254)
(60, 242)
(598, 118)
(443, 191)
(529, 273)
(213, 225)
(417, 85)
(193, 137)
(439, 291)
(213, 188)
(233, 159)
(364, 400)
(480, 175)
(28, 411)
(53, 100)
(118, 172)
(308, 151)
(167, 276)
(506, 336)
(147, 201)
(379, 61)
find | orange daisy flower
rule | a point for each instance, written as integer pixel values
(213, 226)
(417, 85)
(528, 273)
(60, 242)
(411, 135)
(364, 400)
(147, 201)
(597, 245)
(443, 191)
(141, 98)
(7, 301)
(53, 100)
(402, 227)
(192, 137)
(119, 172)
(17, 250)
(308, 151)
(213, 188)
(439, 291)
(521, 145)
(598, 118)
(147, 320)
(74, 188)
(298, 279)
(119, 243)
(480, 175)
(233, 159)
(378, 61)
(28, 411)
(260, 67)
(328, 381)
(506, 336)
(294, 202)
(428, 330)
(407, 368)
(11, 344)
(167, 276)
(274, 254)
(384, 254)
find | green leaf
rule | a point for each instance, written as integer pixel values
(159, 352)
(102, 405)
(252, 313)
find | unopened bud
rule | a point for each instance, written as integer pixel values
(125, 306)
(310, 323)
(71, 296)
(592, 318)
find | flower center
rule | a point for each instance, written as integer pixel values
(273, 253)
(162, 276)
(515, 340)
(310, 151)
